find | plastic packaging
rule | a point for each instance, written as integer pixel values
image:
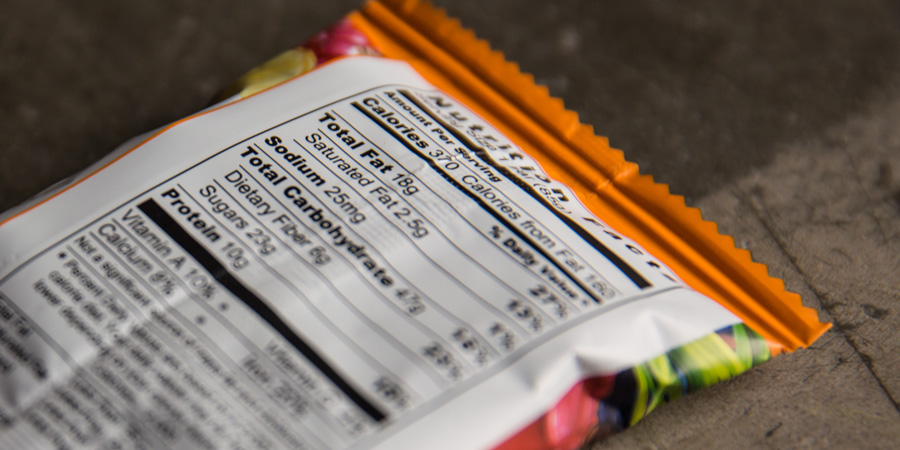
(387, 237)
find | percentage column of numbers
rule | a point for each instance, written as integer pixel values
(196, 280)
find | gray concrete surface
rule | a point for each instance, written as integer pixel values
(778, 119)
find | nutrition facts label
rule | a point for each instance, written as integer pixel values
(310, 285)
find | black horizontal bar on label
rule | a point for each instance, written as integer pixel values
(190, 245)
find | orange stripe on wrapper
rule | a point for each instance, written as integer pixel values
(454, 60)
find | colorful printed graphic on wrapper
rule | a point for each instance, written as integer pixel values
(341, 39)
(601, 406)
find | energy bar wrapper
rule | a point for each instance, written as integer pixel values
(387, 237)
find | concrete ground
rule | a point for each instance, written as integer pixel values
(778, 119)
